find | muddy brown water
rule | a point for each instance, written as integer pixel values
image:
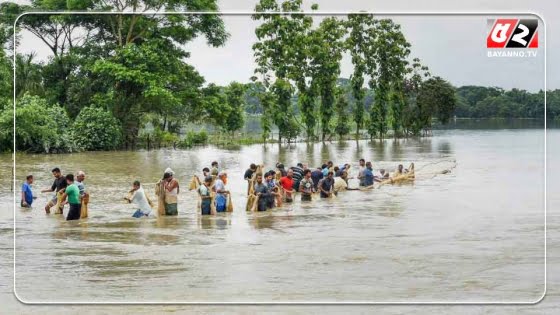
(475, 234)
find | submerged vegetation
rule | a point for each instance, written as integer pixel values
(124, 81)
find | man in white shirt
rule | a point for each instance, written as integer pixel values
(339, 184)
(138, 197)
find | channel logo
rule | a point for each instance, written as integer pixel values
(513, 33)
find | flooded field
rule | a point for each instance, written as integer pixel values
(476, 234)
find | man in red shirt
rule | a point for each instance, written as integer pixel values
(287, 182)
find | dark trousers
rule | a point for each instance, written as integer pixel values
(74, 212)
(206, 207)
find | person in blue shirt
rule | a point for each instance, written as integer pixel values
(369, 178)
(27, 192)
(325, 169)
(316, 176)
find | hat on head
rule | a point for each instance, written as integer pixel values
(169, 170)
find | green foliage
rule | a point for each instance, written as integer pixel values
(6, 92)
(436, 97)
(387, 66)
(358, 46)
(96, 129)
(234, 120)
(195, 138)
(215, 105)
(148, 78)
(282, 112)
(327, 53)
(285, 50)
(133, 65)
(482, 102)
(343, 119)
(552, 105)
(40, 127)
(252, 102)
(28, 76)
(57, 80)
(158, 138)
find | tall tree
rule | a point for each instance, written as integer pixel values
(28, 75)
(236, 103)
(283, 114)
(342, 118)
(326, 53)
(357, 43)
(416, 73)
(283, 50)
(387, 69)
(436, 97)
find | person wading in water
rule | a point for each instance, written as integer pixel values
(249, 176)
(72, 196)
(58, 186)
(306, 186)
(205, 196)
(326, 185)
(221, 192)
(263, 193)
(138, 197)
(27, 192)
(171, 186)
(287, 182)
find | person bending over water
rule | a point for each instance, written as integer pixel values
(306, 186)
(340, 184)
(205, 197)
(138, 197)
(316, 176)
(383, 174)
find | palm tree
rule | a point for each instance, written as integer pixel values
(28, 75)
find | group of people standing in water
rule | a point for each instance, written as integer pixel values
(68, 189)
(265, 190)
(274, 187)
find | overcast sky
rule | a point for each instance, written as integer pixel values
(453, 47)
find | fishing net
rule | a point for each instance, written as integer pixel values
(229, 207)
(280, 197)
(252, 203)
(160, 193)
(213, 203)
(84, 210)
(435, 168)
(59, 206)
(149, 201)
(423, 172)
(194, 184)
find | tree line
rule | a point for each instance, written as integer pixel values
(113, 81)
(471, 102)
(300, 55)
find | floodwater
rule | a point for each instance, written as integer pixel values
(475, 234)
